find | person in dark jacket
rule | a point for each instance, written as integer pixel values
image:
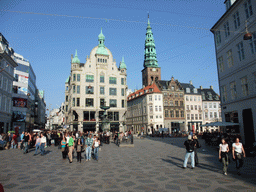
(26, 139)
(190, 147)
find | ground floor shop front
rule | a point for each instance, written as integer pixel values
(5, 122)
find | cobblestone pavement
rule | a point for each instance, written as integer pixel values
(154, 164)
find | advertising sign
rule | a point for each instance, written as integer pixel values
(22, 90)
(23, 79)
(19, 102)
(19, 116)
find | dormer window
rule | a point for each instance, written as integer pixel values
(188, 90)
(140, 93)
(210, 96)
(195, 90)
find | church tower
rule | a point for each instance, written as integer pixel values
(151, 72)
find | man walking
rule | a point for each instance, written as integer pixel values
(26, 139)
(38, 141)
(70, 148)
(190, 147)
(88, 145)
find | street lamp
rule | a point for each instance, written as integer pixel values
(247, 35)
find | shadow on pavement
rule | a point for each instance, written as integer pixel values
(210, 154)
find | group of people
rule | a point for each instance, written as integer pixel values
(238, 153)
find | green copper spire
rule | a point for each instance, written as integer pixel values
(101, 47)
(150, 49)
(122, 64)
(75, 59)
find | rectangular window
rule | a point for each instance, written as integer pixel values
(187, 98)
(166, 113)
(224, 93)
(112, 80)
(160, 108)
(171, 103)
(191, 107)
(195, 98)
(176, 103)
(78, 89)
(196, 116)
(66, 108)
(217, 38)
(181, 113)
(188, 116)
(215, 114)
(240, 50)
(253, 43)
(74, 89)
(181, 103)
(195, 107)
(176, 94)
(122, 92)
(199, 107)
(89, 102)
(150, 97)
(102, 90)
(181, 95)
(74, 102)
(199, 98)
(159, 97)
(192, 116)
(112, 91)
(244, 85)
(248, 9)
(191, 98)
(156, 108)
(112, 103)
(177, 114)
(122, 81)
(211, 115)
(66, 98)
(90, 78)
(172, 113)
(233, 90)
(74, 77)
(150, 108)
(89, 90)
(200, 116)
(77, 102)
(210, 105)
(155, 97)
(123, 103)
(78, 77)
(205, 105)
(102, 102)
(206, 115)
(236, 20)
(214, 105)
(116, 116)
(226, 28)
(220, 64)
(102, 78)
(66, 88)
(230, 58)
(187, 107)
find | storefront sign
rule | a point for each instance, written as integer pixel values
(19, 102)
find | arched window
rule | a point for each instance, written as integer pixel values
(101, 60)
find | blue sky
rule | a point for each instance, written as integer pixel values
(181, 28)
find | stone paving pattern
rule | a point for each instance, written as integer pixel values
(154, 164)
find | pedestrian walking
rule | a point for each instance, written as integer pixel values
(79, 150)
(190, 146)
(238, 154)
(223, 155)
(37, 145)
(42, 144)
(70, 147)
(63, 146)
(96, 145)
(21, 140)
(26, 139)
(195, 149)
(88, 145)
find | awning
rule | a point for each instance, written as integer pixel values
(218, 123)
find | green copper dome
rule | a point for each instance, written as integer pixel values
(101, 47)
(150, 49)
(75, 59)
(122, 64)
(67, 80)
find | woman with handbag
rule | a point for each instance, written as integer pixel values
(238, 154)
(223, 155)
(63, 146)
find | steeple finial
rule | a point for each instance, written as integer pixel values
(122, 64)
(75, 59)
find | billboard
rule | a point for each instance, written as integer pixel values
(19, 116)
(20, 102)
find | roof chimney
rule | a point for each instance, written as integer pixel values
(143, 86)
(211, 87)
(201, 87)
(190, 82)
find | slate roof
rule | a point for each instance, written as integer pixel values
(191, 87)
(209, 95)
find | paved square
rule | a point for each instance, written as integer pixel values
(154, 164)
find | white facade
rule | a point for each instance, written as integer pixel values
(145, 110)
(7, 65)
(236, 62)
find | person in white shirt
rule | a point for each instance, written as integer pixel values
(42, 144)
(223, 155)
(238, 154)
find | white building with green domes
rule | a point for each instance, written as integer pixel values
(92, 84)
